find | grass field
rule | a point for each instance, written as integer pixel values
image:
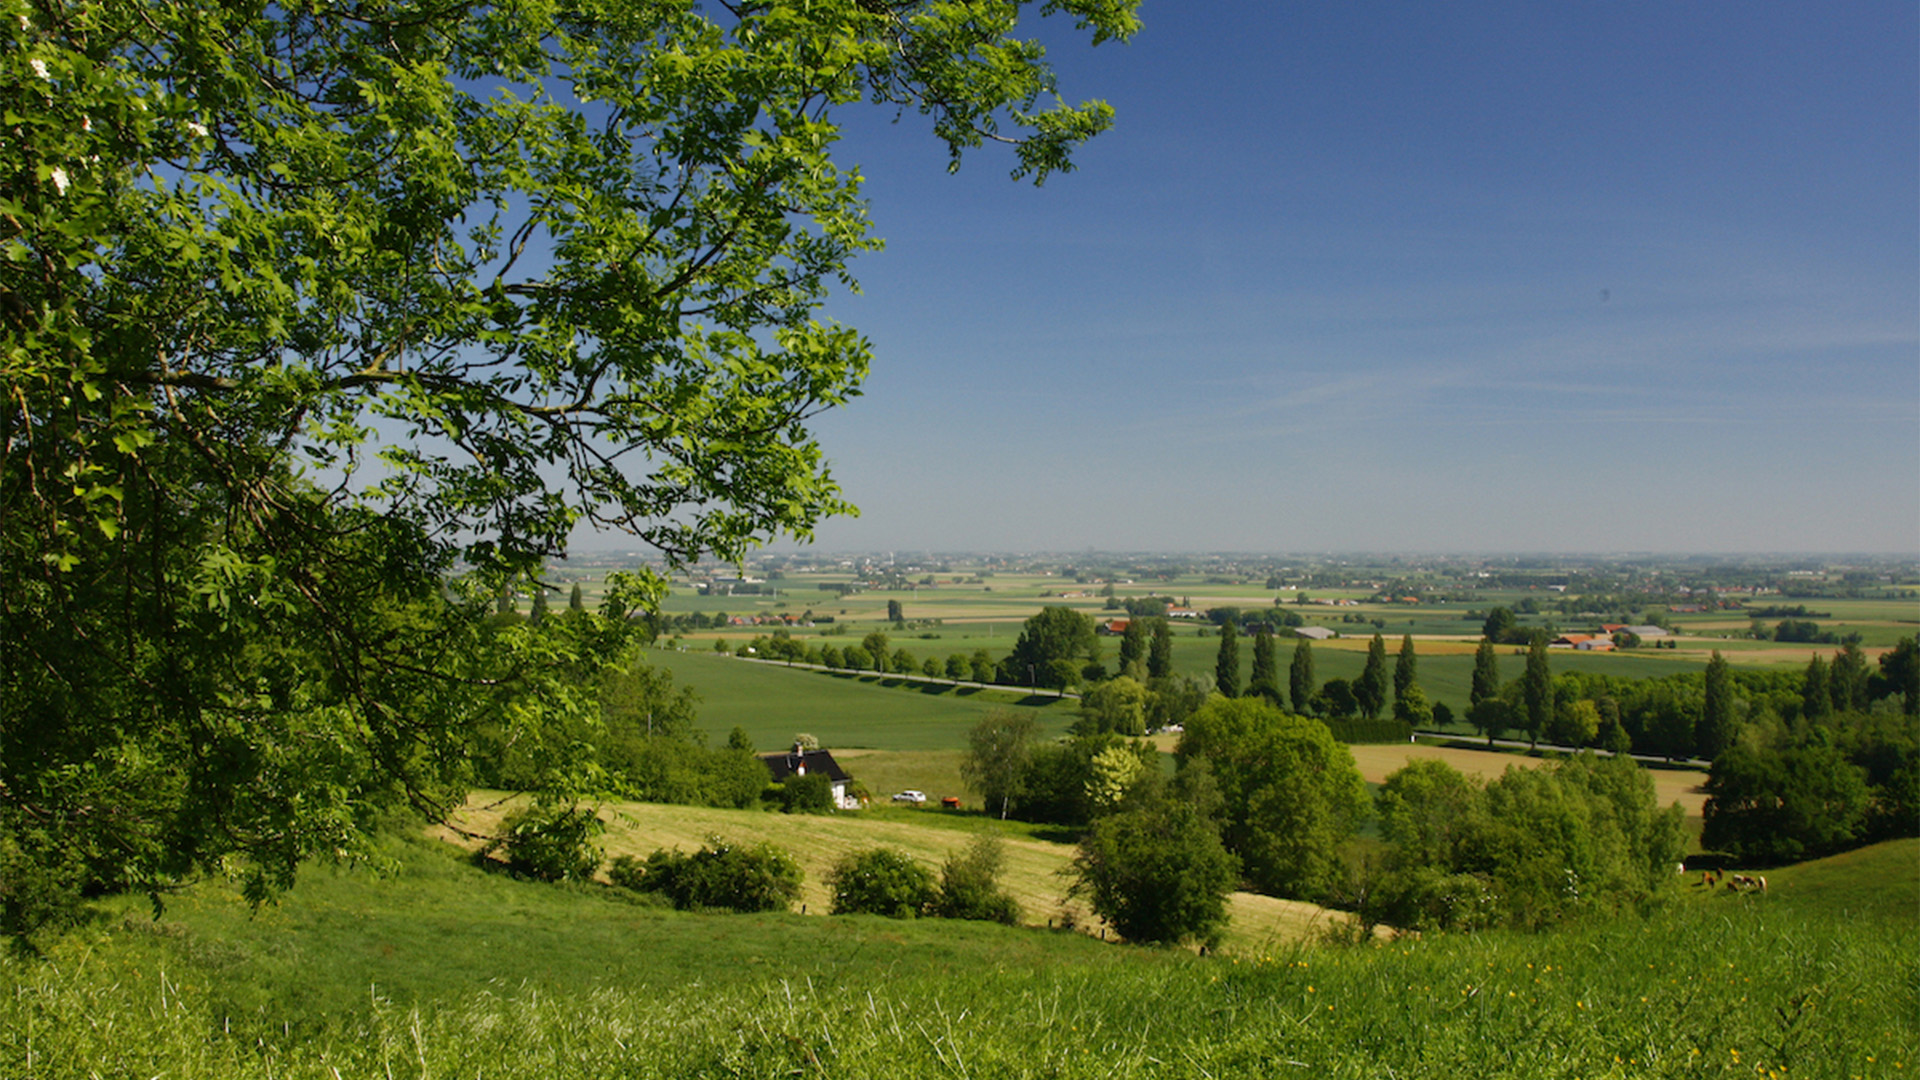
(443, 971)
(1033, 873)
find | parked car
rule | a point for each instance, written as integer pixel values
(911, 796)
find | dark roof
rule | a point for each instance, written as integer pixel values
(817, 762)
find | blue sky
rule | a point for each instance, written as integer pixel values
(1367, 276)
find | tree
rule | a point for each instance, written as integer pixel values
(1266, 676)
(307, 309)
(1536, 687)
(1226, 662)
(576, 600)
(1715, 731)
(1300, 681)
(1291, 793)
(1900, 667)
(1486, 673)
(540, 608)
(894, 614)
(1847, 679)
(1769, 804)
(1816, 695)
(880, 881)
(1133, 650)
(1118, 705)
(1054, 637)
(1160, 651)
(1158, 873)
(970, 884)
(1370, 689)
(875, 645)
(997, 751)
(1404, 667)
(1502, 628)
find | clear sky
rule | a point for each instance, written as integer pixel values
(1420, 277)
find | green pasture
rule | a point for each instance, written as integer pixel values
(443, 971)
(774, 702)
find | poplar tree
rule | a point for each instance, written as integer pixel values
(1403, 669)
(1265, 680)
(1716, 729)
(1133, 648)
(1160, 652)
(1300, 678)
(1537, 689)
(1370, 690)
(1226, 664)
(1486, 674)
(1816, 695)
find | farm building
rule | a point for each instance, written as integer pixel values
(1315, 633)
(800, 761)
(1647, 631)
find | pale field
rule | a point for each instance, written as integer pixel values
(1031, 873)
(1377, 762)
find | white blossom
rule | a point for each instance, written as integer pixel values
(59, 178)
(199, 130)
(40, 68)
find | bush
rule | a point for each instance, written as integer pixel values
(970, 885)
(802, 794)
(881, 881)
(1158, 873)
(549, 843)
(746, 879)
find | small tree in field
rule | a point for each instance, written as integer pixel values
(1158, 873)
(881, 881)
(970, 885)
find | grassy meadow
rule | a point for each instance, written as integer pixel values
(442, 970)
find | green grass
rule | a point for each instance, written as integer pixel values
(487, 977)
(774, 702)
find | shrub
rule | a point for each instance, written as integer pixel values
(803, 794)
(757, 878)
(881, 881)
(1158, 873)
(549, 843)
(970, 885)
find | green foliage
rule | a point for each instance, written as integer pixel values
(997, 751)
(1265, 679)
(1073, 781)
(1715, 731)
(1300, 677)
(1118, 705)
(721, 876)
(810, 794)
(1158, 873)
(1533, 847)
(1536, 688)
(1291, 794)
(1405, 668)
(550, 843)
(970, 884)
(1486, 673)
(1052, 647)
(1370, 689)
(1786, 797)
(494, 274)
(881, 881)
(1226, 662)
(1160, 649)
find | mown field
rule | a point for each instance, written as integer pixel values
(441, 970)
(1034, 872)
